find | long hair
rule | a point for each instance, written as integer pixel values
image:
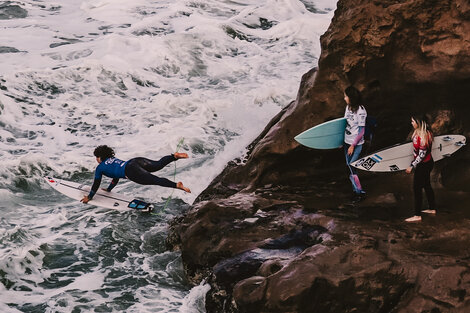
(103, 152)
(355, 98)
(423, 130)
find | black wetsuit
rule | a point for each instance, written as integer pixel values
(137, 169)
(423, 164)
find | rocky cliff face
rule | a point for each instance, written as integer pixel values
(272, 233)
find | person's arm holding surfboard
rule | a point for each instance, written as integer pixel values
(356, 141)
(423, 152)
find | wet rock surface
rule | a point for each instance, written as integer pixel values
(277, 232)
(305, 253)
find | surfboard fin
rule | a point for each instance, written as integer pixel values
(460, 144)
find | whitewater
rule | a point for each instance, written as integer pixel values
(140, 76)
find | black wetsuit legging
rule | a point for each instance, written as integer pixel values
(422, 180)
(138, 170)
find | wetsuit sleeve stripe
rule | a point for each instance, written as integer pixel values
(113, 184)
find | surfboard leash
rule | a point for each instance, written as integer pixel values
(180, 143)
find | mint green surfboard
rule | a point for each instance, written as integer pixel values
(328, 135)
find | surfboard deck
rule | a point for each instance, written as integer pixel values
(400, 156)
(328, 135)
(110, 200)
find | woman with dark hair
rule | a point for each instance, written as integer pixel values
(355, 115)
(137, 169)
(422, 164)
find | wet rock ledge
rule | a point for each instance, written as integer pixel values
(275, 232)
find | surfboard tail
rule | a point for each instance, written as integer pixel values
(140, 205)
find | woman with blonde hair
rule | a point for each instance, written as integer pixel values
(422, 165)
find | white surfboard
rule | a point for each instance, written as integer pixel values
(399, 157)
(110, 200)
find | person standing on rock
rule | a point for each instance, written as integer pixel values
(355, 115)
(422, 165)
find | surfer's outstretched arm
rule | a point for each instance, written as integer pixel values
(94, 189)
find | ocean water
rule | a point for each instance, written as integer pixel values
(141, 76)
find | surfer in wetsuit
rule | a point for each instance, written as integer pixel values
(422, 165)
(355, 115)
(137, 169)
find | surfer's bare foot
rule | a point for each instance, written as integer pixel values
(181, 155)
(413, 219)
(179, 185)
